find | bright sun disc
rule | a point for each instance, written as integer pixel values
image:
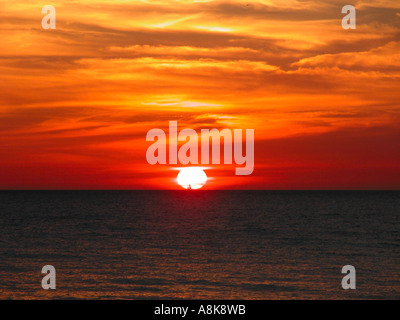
(192, 178)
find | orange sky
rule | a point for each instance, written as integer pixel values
(76, 102)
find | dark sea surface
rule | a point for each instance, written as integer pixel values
(199, 244)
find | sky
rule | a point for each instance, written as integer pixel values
(76, 102)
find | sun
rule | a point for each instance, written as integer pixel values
(191, 178)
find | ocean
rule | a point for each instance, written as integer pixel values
(200, 244)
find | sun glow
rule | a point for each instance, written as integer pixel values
(192, 178)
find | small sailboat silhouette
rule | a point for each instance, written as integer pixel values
(190, 187)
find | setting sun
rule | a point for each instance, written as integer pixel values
(192, 178)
